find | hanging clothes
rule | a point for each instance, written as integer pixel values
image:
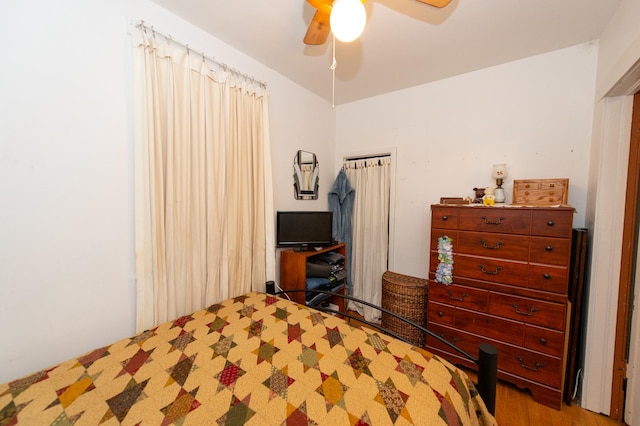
(341, 199)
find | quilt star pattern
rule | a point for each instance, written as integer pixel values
(257, 360)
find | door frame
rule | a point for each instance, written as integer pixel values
(380, 152)
(628, 262)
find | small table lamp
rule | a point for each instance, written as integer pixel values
(499, 173)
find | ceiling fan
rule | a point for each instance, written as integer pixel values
(320, 26)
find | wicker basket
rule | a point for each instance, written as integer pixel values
(407, 297)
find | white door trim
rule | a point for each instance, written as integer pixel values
(606, 248)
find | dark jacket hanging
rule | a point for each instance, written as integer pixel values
(341, 199)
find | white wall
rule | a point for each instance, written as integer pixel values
(66, 264)
(534, 114)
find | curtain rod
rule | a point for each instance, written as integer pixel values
(145, 27)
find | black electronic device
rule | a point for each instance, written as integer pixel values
(271, 287)
(304, 229)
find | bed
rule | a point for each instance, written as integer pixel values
(255, 359)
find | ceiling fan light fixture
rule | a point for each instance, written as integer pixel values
(348, 18)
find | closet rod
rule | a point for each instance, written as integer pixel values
(224, 66)
(367, 157)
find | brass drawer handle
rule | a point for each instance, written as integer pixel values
(484, 271)
(496, 247)
(459, 299)
(488, 222)
(529, 314)
(454, 340)
(538, 366)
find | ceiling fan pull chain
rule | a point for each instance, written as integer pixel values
(333, 71)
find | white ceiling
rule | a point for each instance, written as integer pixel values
(405, 42)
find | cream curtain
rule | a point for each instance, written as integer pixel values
(370, 179)
(203, 186)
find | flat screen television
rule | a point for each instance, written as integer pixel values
(304, 229)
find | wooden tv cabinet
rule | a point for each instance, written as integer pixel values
(293, 272)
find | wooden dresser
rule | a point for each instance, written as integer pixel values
(510, 284)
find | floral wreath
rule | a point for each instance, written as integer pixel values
(444, 272)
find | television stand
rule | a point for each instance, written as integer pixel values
(293, 272)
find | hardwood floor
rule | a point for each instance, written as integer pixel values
(516, 407)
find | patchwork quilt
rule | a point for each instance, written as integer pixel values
(256, 360)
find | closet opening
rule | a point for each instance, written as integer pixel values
(371, 177)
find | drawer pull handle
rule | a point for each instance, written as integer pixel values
(543, 340)
(496, 247)
(529, 314)
(445, 217)
(488, 222)
(454, 340)
(548, 248)
(546, 276)
(550, 223)
(538, 366)
(459, 299)
(440, 313)
(484, 271)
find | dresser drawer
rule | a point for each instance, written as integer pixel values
(503, 246)
(543, 340)
(441, 314)
(439, 233)
(501, 220)
(538, 197)
(531, 311)
(549, 278)
(532, 365)
(552, 222)
(467, 342)
(444, 217)
(488, 269)
(522, 362)
(491, 326)
(457, 295)
(551, 251)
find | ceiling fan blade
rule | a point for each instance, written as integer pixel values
(319, 28)
(436, 3)
(322, 5)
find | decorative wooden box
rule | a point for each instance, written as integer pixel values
(540, 192)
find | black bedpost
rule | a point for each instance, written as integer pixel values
(488, 375)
